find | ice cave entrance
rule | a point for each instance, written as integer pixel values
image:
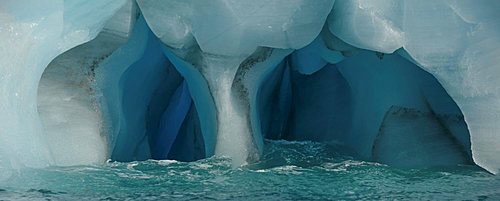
(85, 123)
(124, 99)
(379, 107)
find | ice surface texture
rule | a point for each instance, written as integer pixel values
(456, 41)
(406, 83)
(32, 34)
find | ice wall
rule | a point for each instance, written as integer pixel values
(67, 88)
(33, 33)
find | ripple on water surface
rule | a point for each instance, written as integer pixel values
(288, 170)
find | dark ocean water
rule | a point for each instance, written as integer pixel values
(288, 171)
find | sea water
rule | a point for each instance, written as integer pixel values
(287, 171)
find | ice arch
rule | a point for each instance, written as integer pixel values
(456, 41)
(33, 33)
(67, 104)
(219, 76)
(380, 107)
(229, 74)
(67, 95)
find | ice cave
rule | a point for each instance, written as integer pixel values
(402, 83)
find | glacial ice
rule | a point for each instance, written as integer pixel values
(224, 67)
(64, 90)
(405, 83)
(456, 41)
(171, 120)
(32, 34)
(286, 24)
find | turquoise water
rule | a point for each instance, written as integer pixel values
(288, 171)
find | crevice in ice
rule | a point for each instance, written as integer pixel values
(147, 103)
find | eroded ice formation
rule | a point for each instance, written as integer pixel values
(32, 34)
(456, 41)
(198, 32)
(401, 82)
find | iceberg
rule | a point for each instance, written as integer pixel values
(404, 83)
